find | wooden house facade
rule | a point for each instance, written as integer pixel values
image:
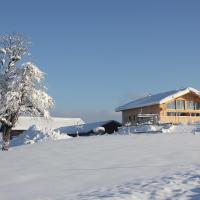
(177, 106)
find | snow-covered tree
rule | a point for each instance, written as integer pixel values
(22, 90)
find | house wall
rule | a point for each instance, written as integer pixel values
(130, 115)
(162, 111)
(164, 118)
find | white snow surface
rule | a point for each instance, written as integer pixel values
(110, 167)
(34, 135)
(162, 128)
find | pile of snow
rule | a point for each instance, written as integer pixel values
(99, 130)
(168, 128)
(193, 128)
(34, 135)
(143, 128)
(183, 128)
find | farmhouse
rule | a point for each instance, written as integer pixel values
(176, 106)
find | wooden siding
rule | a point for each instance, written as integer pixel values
(180, 119)
(155, 109)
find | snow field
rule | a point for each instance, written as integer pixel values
(148, 166)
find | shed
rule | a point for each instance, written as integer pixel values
(24, 123)
(94, 128)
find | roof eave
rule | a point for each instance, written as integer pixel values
(180, 93)
(164, 100)
(146, 105)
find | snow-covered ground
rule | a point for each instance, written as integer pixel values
(34, 135)
(118, 167)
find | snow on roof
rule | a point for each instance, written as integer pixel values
(157, 98)
(24, 123)
(84, 128)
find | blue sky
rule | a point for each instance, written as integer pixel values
(99, 54)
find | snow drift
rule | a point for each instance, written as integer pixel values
(35, 135)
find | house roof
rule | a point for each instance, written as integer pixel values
(157, 99)
(25, 123)
(85, 128)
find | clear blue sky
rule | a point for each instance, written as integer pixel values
(100, 53)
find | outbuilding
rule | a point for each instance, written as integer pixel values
(95, 128)
(24, 123)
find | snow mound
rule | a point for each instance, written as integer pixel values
(168, 128)
(34, 135)
(193, 128)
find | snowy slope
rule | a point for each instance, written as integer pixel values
(117, 167)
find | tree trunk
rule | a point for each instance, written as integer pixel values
(6, 137)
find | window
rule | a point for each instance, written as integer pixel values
(191, 105)
(197, 106)
(129, 119)
(180, 114)
(180, 105)
(171, 105)
(195, 114)
(171, 114)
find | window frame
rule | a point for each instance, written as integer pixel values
(171, 105)
(191, 105)
(179, 103)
